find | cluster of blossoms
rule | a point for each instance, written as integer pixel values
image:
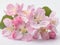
(29, 24)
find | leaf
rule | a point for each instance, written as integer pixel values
(6, 16)
(47, 10)
(1, 23)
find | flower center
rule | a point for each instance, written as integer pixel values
(13, 9)
(53, 22)
(23, 30)
(26, 12)
(10, 29)
(37, 19)
(43, 30)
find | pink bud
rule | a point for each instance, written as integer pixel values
(36, 36)
(52, 35)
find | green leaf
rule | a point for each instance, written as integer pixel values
(6, 16)
(1, 23)
(47, 10)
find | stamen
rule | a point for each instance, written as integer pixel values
(23, 30)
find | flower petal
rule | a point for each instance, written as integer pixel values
(10, 10)
(8, 22)
(5, 32)
(27, 37)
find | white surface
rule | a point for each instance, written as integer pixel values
(53, 4)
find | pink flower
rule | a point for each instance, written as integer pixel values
(12, 10)
(38, 19)
(48, 33)
(53, 19)
(25, 14)
(44, 33)
(9, 27)
(32, 31)
(7, 31)
(29, 24)
(23, 33)
(16, 35)
(19, 36)
(17, 21)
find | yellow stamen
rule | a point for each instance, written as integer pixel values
(38, 19)
(14, 9)
(9, 29)
(26, 12)
(43, 30)
(23, 30)
(53, 22)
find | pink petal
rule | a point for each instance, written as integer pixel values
(6, 32)
(27, 37)
(7, 22)
(36, 35)
(29, 28)
(19, 7)
(30, 8)
(9, 10)
(17, 21)
(52, 35)
(44, 23)
(10, 6)
(52, 14)
(40, 11)
(54, 18)
(44, 35)
(16, 35)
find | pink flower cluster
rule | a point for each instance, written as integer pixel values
(29, 24)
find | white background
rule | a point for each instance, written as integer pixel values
(53, 4)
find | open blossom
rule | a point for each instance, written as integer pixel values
(6, 32)
(23, 33)
(12, 10)
(26, 14)
(9, 27)
(43, 31)
(47, 33)
(38, 19)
